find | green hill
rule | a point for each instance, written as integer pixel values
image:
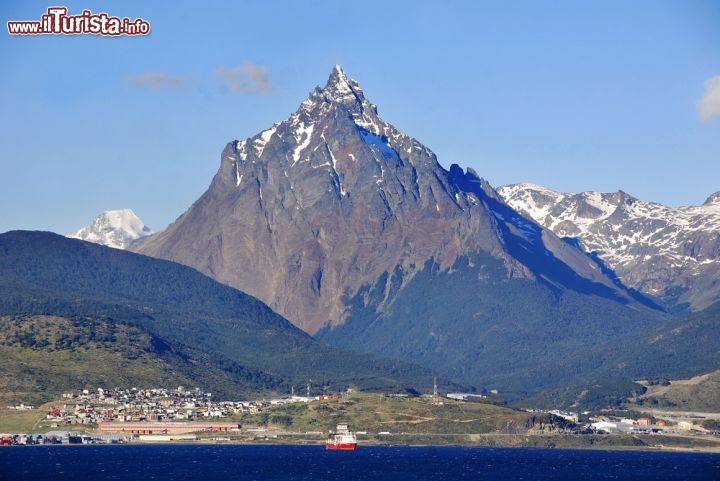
(684, 348)
(513, 334)
(374, 413)
(46, 274)
(700, 393)
(526, 338)
(44, 356)
(688, 348)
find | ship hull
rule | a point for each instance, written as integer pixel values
(341, 446)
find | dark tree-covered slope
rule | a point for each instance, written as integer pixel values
(44, 273)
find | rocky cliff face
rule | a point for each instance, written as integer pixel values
(672, 254)
(305, 213)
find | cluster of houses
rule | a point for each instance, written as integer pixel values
(120, 413)
(152, 405)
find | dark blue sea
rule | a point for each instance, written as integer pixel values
(367, 463)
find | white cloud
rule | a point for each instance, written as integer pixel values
(709, 104)
(247, 78)
(155, 80)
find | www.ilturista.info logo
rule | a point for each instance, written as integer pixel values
(57, 22)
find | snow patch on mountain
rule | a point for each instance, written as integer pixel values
(262, 139)
(304, 142)
(651, 247)
(113, 228)
(303, 136)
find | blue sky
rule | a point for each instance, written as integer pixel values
(571, 95)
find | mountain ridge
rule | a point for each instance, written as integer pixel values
(354, 231)
(671, 254)
(42, 273)
(327, 200)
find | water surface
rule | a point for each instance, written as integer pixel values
(376, 463)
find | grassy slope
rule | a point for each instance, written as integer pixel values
(376, 413)
(701, 393)
(417, 421)
(44, 356)
(23, 421)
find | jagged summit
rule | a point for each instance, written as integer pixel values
(114, 228)
(346, 94)
(322, 135)
(341, 89)
(338, 73)
(345, 225)
(338, 89)
(332, 198)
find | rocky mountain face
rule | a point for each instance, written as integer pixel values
(114, 228)
(307, 212)
(354, 232)
(672, 254)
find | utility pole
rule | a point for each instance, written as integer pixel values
(436, 396)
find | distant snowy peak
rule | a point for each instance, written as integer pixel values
(654, 248)
(552, 208)
(114, 228)
(574, 214)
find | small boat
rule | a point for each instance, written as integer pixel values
(342, 438)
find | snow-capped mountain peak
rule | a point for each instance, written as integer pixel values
(345, 92)
(336, 181)
(342, 89)
(339, 89)
(114, 228)
(656, 249)
(310, 139)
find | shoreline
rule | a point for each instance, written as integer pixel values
(581, 442)
(383, 421)
(200, 442)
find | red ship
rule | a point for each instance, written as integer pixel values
(342, 438)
